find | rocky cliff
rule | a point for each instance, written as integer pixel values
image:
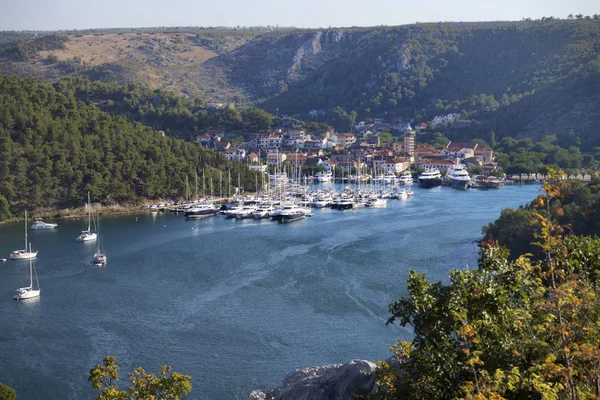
(332, 382)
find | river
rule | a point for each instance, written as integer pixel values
(236, 304)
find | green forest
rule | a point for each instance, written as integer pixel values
(54, 148)
(522, 325)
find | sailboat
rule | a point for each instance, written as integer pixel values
(29, 292)
(99, 257)
(24, 254)
(87, 235)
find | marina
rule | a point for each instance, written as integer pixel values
(236, 303)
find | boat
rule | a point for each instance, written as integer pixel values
(405, 178)
(376, 203)
(486, 182)
(389, 178)
(201, 211)
(430, 178)
(29, 291)
(41, 225)
(99, 256)
(24, 254)
(87, 235)
(458, 177)
(263, 211)
(325, 176)
(288, 213)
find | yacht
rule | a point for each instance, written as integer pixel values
(99, 256)
(430, 178)
(376, 203)
(29, 291)
(24, 254)
(87, 235)
(389, 178)
(200, 211)
(325, 176)
(458, 177)
(38, 225)
(405, 178)
(288, 213)
(263, 211)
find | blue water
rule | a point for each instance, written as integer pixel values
(236, 304)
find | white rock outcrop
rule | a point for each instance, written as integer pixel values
(331, 382)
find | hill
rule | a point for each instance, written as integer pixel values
(519, 79)
(54, 148)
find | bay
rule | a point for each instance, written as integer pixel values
(237, 304)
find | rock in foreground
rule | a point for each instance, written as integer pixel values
(331, 382)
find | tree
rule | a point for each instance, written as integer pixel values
(506, 330)
(7, 393)
(4, 209)
(385, 137)
(143, 385)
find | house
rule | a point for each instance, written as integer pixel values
(275, 158)
(459, 150)
(235, 154)
(161, 133)
(253, 158)
(438, 162)
(313, 161)
(204, 139)
(296, 160)
(401, 127)
(258, 167)
(222, 146)
(420, 126)
(343, 139)
(327, 164)
(484, 154)
(341, 156)
(394, 165)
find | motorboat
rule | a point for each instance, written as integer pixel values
(458, 177)
(41, 225)
(376, 203)
(405, 178)
(325, 176)
(389, 178)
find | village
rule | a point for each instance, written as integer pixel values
(349, 152)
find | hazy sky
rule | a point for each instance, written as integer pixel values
(82, 14)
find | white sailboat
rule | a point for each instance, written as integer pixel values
(29, 291)
(24, 254)
(99, 256)
(87, 235)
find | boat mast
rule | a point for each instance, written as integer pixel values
(31, 274)
(25, 230)
(89, 214)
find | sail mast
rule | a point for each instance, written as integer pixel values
(89, 214)
(25, 230)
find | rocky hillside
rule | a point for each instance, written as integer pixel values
(522, 79)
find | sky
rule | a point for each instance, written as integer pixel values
(85, 14)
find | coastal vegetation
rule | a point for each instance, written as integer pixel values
(55, 148)
(7, 393)
(167, 385)
(512, 328)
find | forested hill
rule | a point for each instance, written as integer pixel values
(54, 149)
(519, 79)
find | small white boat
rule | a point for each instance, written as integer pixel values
(99, 256)
(24, 254)
(87, 235)
(40, 225)
(29, 291)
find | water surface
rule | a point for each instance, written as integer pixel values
(236, 304)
